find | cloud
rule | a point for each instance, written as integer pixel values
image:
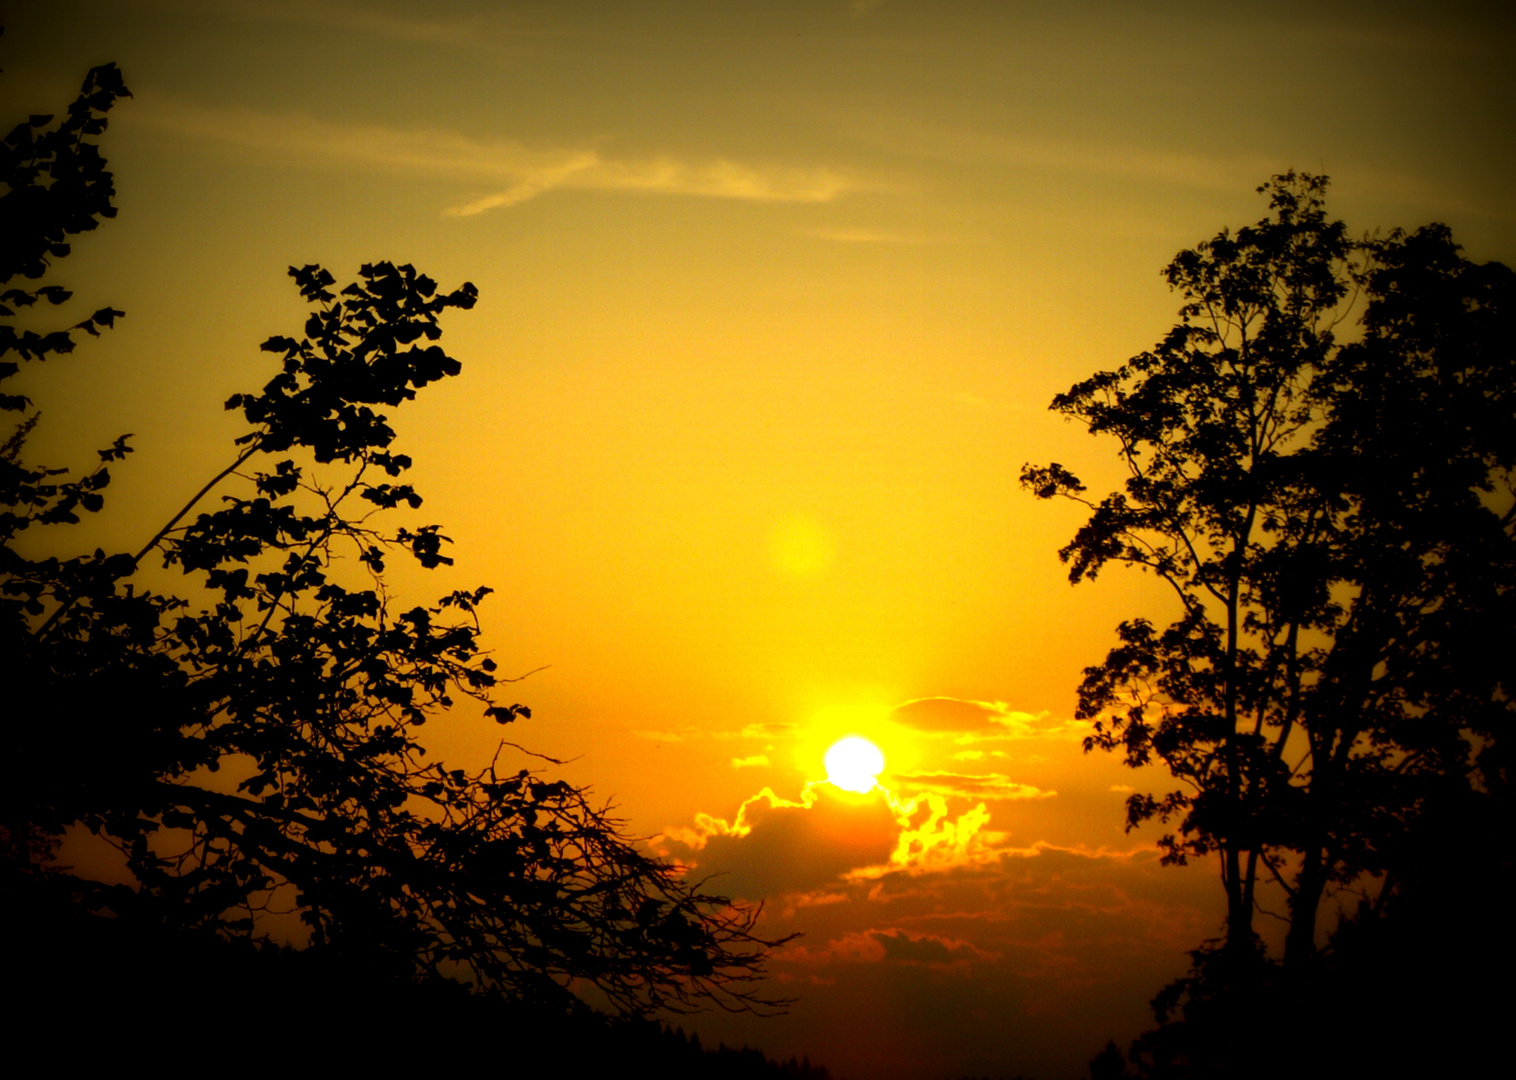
(775, 845)
(891, 946)
(1221, 172)
(1012, 953)
(766, 732)
(973, 721)
(964, 146)
(515, 171)
(660, 736)
(992, 786)
(933, 841)
(771, 730)
(944, 714)
(721, 179)
(1174, 167)
(942, 817)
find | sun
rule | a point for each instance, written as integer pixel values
(854, 763)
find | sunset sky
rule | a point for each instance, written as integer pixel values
(774, 295)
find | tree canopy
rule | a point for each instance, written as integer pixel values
(1319, 463)
(249, 743)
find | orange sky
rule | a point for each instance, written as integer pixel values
(773, 297)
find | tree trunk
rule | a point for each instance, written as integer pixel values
(1300, 941)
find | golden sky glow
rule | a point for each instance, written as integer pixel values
(773, 299)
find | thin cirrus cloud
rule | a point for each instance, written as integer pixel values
(763, 731)
(515, 172)
(990, 786)
(1173, 164)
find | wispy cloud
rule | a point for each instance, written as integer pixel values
(516, 172)
(991, 786)
(1177, 166)
(721, 179)
(766, 732)
(1218, 172)
(669, 736)
(750, 762)
(974, 721)
(967, 146)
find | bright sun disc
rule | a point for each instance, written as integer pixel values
(853, 763)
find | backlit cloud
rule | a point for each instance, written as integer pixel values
(977, 720)
(992, 786)
(764, 732)
(933, 818)
(653, 735)
(772, 730)
(933, 839)
(775, 845)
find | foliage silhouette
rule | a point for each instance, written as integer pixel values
(251, 746)
(321, 1012)
(1335, 519)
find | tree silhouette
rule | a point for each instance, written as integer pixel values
(1336, 521)
(251, 746)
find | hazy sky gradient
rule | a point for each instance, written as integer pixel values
(773, 298)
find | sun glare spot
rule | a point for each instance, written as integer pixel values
(854, 764)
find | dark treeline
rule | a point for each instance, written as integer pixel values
(1336, 520)
(103, 990)
(1403, 989)
(1335, 512)
(287, 857)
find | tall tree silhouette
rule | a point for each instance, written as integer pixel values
(252, 745)
(1335, 519)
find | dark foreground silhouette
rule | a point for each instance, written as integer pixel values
(248, 739)
(1412, 987)
(101, 992)
(1320, 465)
